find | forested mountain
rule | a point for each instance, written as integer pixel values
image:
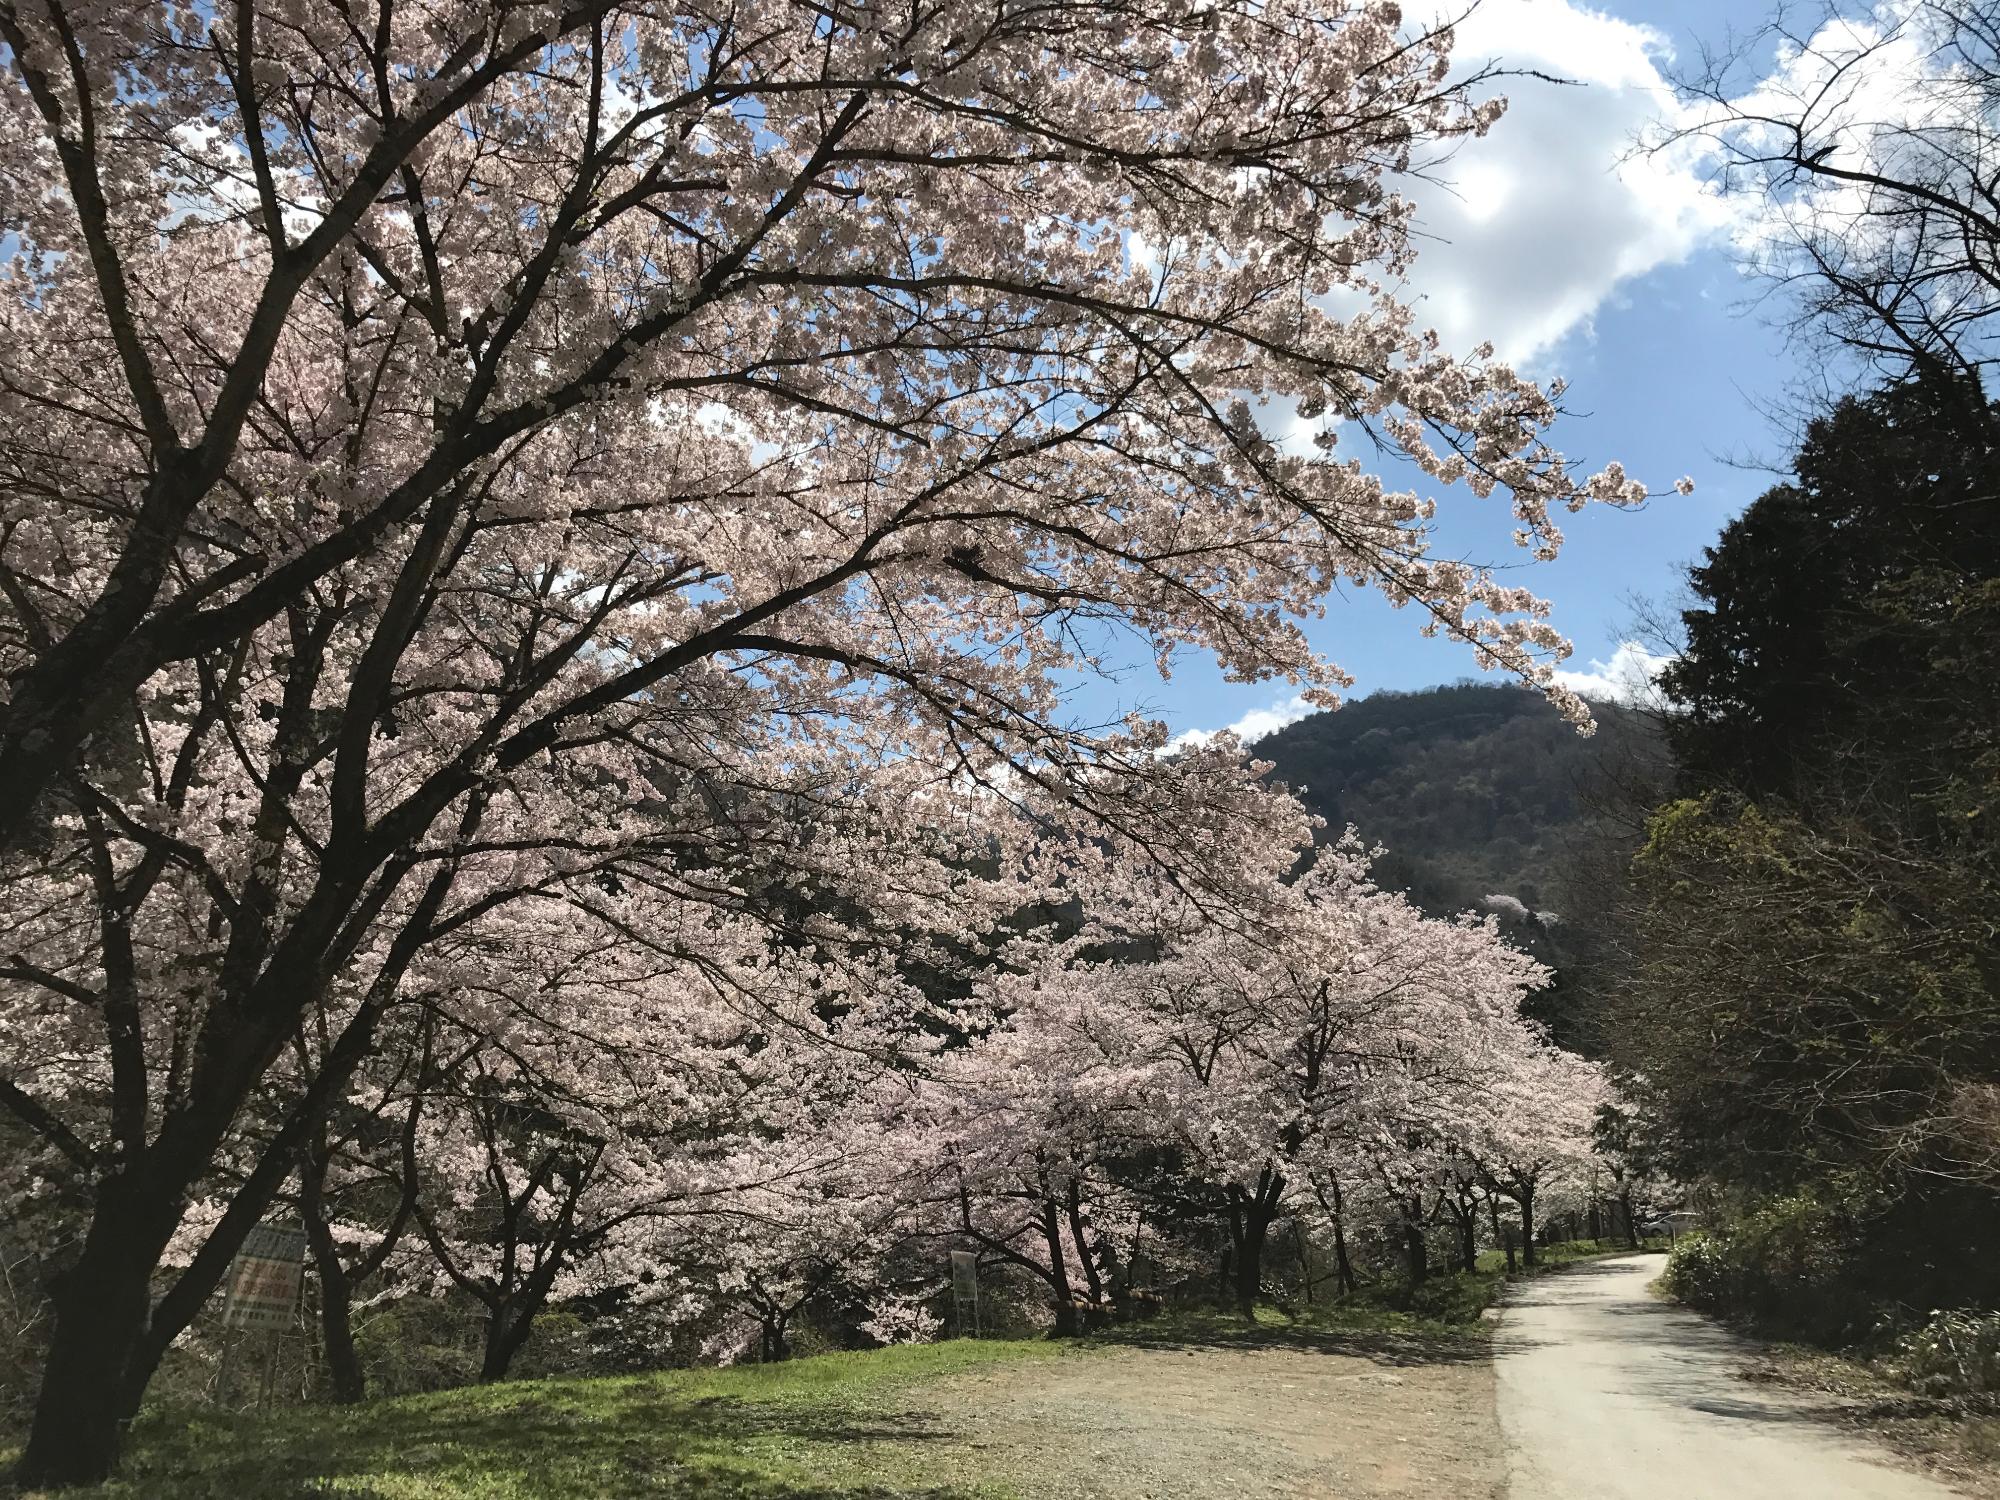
(1475, 788)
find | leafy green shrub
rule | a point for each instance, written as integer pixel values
(1954, 1354)
(1699, 1272)
(1450, 1298)
(416, 1344)
(1786, 1265)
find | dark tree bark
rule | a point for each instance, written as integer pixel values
(507, 1330)
(1499, 1237)
(1251, 1215)
(110, 1334)
(1632, 1239)
(101, 1306)
(1343, 1267)
(773, 1347)
(1465, 1218)
(345, 1378)
(1416, 1249)
(1068, 1324)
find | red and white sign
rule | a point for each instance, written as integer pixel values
(265, 1281)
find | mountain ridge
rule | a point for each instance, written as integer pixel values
(1474, 789)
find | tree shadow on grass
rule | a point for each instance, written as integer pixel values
(1383, 1345)
(636, 1441)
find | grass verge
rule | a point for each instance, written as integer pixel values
(1442, 1319)
(1956, 1439)
(832, 1425)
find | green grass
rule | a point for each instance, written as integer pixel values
(832, 1425)
(1440, 1320)
(1565, 1253)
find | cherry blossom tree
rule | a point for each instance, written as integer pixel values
(467, 245)
(715, 1141)
(809, 1200)
(1274, 1045)
(1537, 1129)
(489, 488)
(1012, 1140)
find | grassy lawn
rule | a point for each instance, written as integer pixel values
(836, 1424)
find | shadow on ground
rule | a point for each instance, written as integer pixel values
(1692, 1363)
(546, 1444)
(1401, 1347)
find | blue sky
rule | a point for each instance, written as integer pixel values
(1624, 283)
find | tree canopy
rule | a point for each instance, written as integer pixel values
(543, 544)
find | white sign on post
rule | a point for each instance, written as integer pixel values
(265, 1281)
(965, 1292)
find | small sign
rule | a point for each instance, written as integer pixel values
(964, 1273)
(965, 1293)
(265, 1281)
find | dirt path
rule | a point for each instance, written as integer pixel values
(1603, 1385)
(1327, 1419)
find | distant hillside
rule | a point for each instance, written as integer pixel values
(1474, 788)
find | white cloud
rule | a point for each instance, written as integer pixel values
(1253, 726)
(1628, 677)
(1884, 92)
(1553, 210)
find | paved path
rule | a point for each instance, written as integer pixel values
(1606, 1391)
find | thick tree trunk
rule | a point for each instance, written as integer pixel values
(772, 1345)
(1467, 1215)
(1250, 1218)
(507, 1330)
(345, 1377)
(98, 1362)
(1631, 1219)
(1416, 1249)
(1249, 1268)
(1068, 1324)
(1525, 1196)
(80, 1413)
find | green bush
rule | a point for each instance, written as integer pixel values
(1699, 1272)
(1954, 1354)
(1785, 1265)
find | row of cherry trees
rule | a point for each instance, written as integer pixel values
(1110, 1092)
(1334, 1059)
(541, 547)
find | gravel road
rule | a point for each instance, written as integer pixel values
(1306, 1418)
(1606, 1391)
